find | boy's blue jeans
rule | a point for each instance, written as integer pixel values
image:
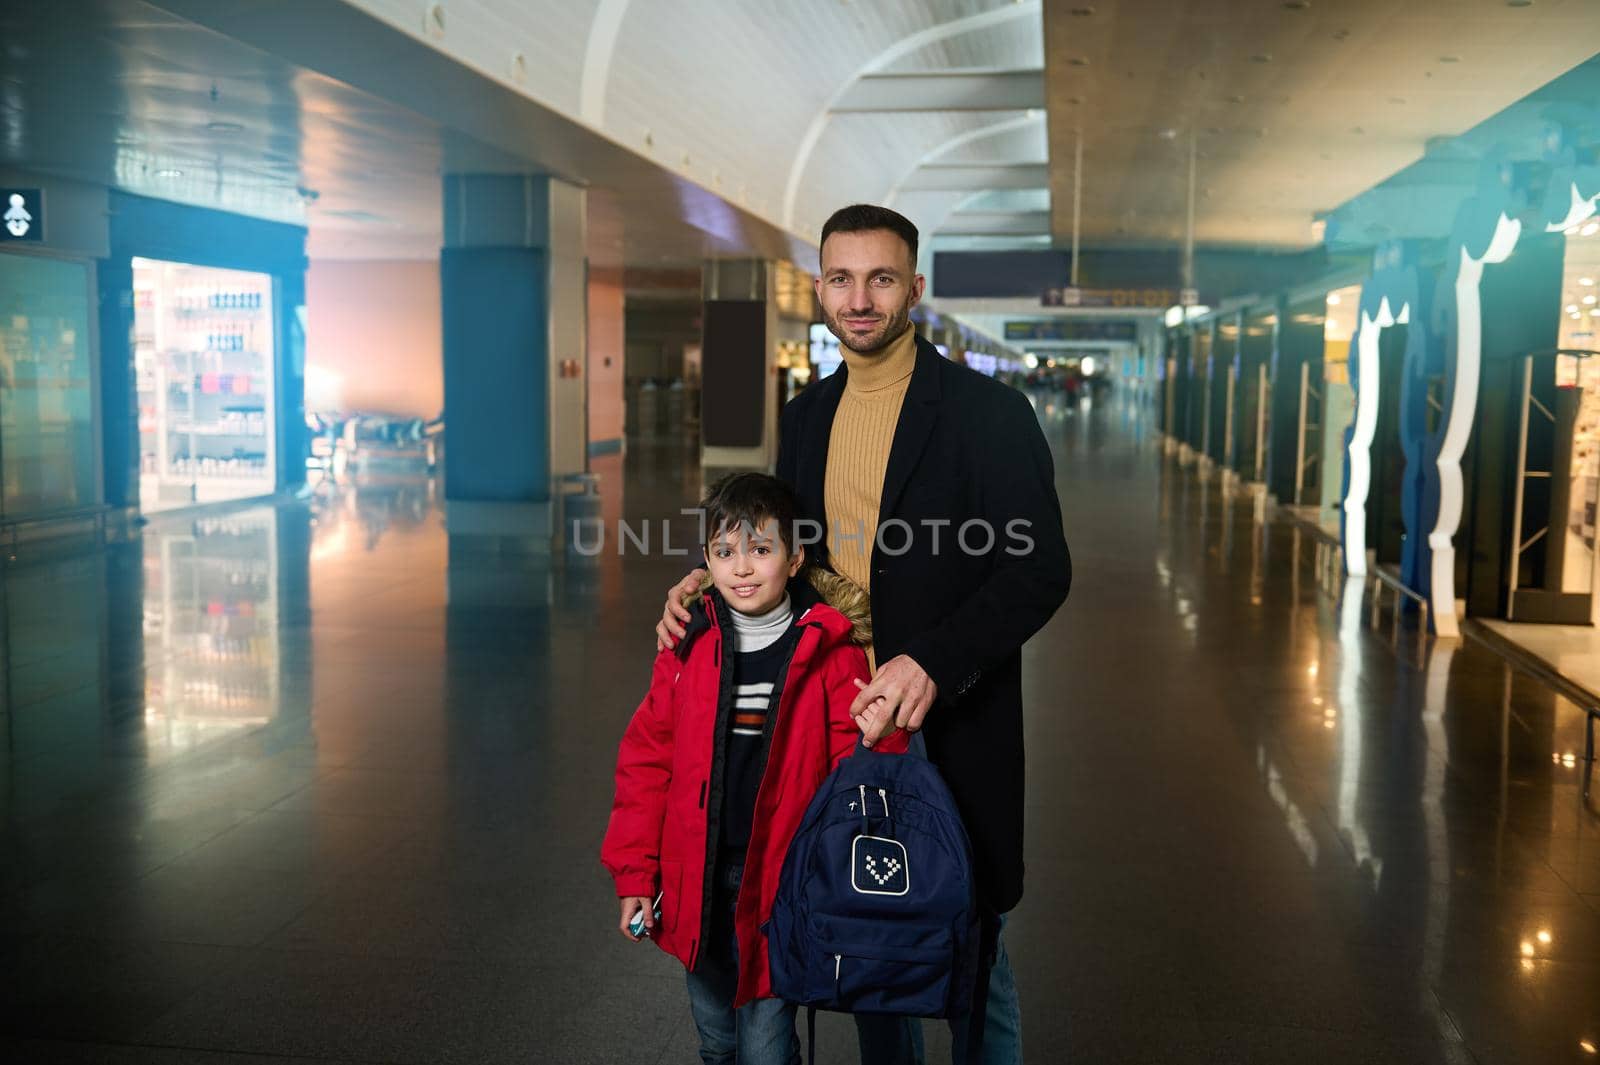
(759, 1032)
(898, 1040)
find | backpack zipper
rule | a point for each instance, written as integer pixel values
(838, 960)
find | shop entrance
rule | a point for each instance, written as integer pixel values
(1553, 571)
(205, 364)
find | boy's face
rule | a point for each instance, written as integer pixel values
(751, 567)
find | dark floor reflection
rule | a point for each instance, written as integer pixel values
(309, 780)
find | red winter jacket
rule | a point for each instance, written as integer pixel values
(663, 832)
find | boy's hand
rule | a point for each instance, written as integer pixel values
(900, 696)
(674, 616)
(630, 906)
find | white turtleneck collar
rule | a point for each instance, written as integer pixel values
(752, 632)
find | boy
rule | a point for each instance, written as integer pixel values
(744, 719)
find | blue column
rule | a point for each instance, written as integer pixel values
(513, 343)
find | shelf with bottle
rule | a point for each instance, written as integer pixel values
(218, 467)
(230, 422)
(200, 301)
(225, 383)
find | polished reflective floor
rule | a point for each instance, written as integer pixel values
(301, 783)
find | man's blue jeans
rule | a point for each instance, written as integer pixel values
(898, 1040)
(759, 1032)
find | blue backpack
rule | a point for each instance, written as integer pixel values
(876, 910)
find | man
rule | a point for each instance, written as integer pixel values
(937, 493)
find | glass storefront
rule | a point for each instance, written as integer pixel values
(1580, 322)
(204, 356)
(1554, 572)
(47, 388)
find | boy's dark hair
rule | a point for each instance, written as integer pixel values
(750, 500)
(864, 217)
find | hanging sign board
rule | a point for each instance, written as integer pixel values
(1141, 298)
(1072, 329)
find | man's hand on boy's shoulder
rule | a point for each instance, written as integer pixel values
(675, 616)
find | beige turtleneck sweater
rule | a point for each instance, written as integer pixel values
(858, 451)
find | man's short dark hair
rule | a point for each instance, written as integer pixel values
(865, 217)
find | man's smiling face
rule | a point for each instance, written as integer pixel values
(867, 289)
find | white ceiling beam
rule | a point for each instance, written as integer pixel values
(1032, 118)
(954, 90)
(995, 224)
(978, 177)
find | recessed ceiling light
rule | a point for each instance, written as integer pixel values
(1572, 308)
(169, 173)
(1589, 229)
(1168, 134)
(1589, 299)
(1585, 280)
(1078, 61)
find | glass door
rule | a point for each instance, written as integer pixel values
(47, 409)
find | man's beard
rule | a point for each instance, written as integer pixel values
(878, 339)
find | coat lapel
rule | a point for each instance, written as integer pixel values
(917, 416)
(818, 431)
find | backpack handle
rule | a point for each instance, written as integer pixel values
(918, 746)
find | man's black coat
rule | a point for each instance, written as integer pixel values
(966, 449)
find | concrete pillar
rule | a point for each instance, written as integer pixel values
(739, 365)
(514, 291)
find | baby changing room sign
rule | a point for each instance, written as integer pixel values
(23, 216)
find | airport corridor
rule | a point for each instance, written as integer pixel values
(298, 783)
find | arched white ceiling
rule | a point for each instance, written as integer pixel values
(993, 129)
(903, 47)
(738, 97)
(602, 46)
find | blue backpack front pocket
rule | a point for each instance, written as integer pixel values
(878, 966)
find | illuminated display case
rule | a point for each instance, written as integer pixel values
(204, 355)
